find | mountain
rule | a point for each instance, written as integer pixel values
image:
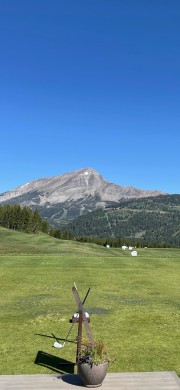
(63, 198)
(151, 219)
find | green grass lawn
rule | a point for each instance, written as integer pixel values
(133, 303)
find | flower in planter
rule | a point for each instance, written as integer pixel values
(93, 364)
(94, 353)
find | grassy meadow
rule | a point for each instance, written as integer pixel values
(133, 303)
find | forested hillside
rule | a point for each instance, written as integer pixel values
(22, 218)
(153, 219)
(15, 217)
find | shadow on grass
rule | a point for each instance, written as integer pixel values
(52, 336)
(54, 363)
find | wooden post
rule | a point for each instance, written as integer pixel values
(79, 336)
(82, 320)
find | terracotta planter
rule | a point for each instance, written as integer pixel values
(92, 376)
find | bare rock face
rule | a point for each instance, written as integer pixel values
(65, 197)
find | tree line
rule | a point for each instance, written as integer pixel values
(25, 219)
(16, 217)
(119, 242)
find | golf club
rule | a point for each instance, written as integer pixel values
(59, 345)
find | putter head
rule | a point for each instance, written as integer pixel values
(58, 345)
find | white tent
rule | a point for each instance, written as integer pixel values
(124, 247)
(134, 253)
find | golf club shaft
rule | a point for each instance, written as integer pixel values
(69, 332)
(86, 296)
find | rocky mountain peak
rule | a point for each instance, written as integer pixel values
(71, 194)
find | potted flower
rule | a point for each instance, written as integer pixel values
(93, 364)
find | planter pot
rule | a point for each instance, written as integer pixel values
(92, 376)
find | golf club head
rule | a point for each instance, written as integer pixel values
(58, 345)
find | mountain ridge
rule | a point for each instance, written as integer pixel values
(62, 198)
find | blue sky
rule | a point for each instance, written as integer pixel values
(90, 83)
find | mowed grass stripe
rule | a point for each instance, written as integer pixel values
(133, 302)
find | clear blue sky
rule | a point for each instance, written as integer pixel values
(90, 83)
